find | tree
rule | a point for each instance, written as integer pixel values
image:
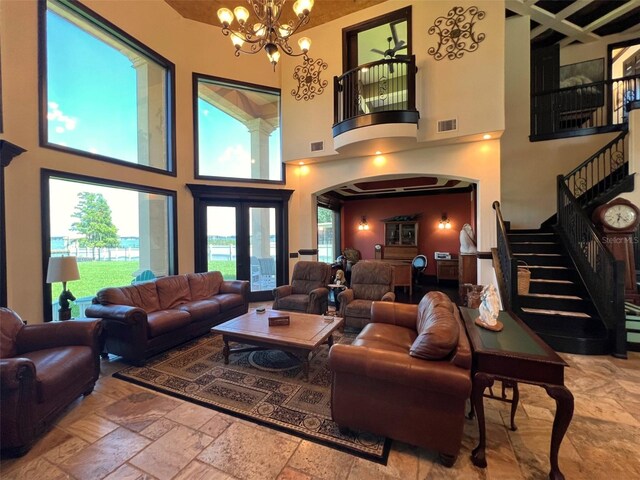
(94, 222)
(325, 215)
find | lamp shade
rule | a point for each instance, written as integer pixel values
(62, 269)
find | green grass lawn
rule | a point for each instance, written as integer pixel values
(97, 275)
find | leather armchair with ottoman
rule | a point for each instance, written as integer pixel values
(308, 292)
(407, 375)
(147, 318)
(43, 368)
(370, 281)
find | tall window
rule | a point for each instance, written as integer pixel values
(328, 234)
(119, 234)
(238, 128)
(106, 95)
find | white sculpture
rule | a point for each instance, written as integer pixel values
(467, 241)
(490, 306)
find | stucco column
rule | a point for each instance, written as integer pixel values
(151, 115)
(152, 151)
(154, 235)
(260, 131)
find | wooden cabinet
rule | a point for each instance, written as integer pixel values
(401, 233)
(400, 240)
(447, 269)
(468, 269)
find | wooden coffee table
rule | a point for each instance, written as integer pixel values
(300, 339)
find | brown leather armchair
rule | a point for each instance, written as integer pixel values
(308, 292)
(370, 281)
(43, 368)
(406, 376)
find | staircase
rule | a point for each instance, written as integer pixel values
(575, 301)
(557, 307)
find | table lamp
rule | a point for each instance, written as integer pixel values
(63, 269)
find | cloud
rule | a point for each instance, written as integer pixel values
(58, 120)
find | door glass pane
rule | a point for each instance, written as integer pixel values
(262, 248)
(221, 241)
(326, 235)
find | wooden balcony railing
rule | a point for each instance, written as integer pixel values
(583, 109)
(375, 93)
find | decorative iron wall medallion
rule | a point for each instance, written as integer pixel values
(308, 77)
(456, 33)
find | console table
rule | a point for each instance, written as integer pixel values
(516, 355)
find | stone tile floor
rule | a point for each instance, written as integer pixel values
(122, 431)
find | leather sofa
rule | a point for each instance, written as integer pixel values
(371, 280)
(43, 368)
(144, 319)
(308, 292)
(407, 375)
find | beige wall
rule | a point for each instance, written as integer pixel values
(191, 46)
(476, 162)
(529, 169)
(450, 88)
(470, 89)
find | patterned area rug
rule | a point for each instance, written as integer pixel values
(264, 386)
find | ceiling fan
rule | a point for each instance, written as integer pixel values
(390, 52)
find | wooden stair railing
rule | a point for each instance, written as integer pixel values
(602, 274)
(507, 273)
(600, 173)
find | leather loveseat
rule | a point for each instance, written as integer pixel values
(406, 376)
(144, 319)
(43, 368)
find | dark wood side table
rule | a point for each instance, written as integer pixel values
(516, 355)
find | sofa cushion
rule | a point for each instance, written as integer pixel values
(439, 335)
(388, 335)
(10, 325)
(428, 302)
(297, 301)
(51, 379)
(228, 301)
(358, 308)
(164, 321)
(173, 291)
(204, 285)
(201, 310)
(143, 295)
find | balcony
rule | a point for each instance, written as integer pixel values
(377, 93)
(587, 109)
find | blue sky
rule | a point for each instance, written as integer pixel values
(92, 106)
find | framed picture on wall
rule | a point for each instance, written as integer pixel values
(579, 77)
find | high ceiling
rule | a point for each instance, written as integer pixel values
(323, 10)
(552, 21)
(570, 21)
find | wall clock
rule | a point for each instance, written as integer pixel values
(618, 221)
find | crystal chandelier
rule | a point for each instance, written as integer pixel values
(267, 32)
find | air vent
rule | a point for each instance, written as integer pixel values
(447, 125)
(317, 146)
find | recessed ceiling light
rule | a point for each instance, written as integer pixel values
(486, 136)
(378, 152)
(300, 163)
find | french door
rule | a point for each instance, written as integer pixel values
(244, 240)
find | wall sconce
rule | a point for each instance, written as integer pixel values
(444, 223)
(363, 224)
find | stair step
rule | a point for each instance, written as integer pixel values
(535, 247)
(552, 295)
(541, 258)
(561, 313)
(551, 272)
(555, 287)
